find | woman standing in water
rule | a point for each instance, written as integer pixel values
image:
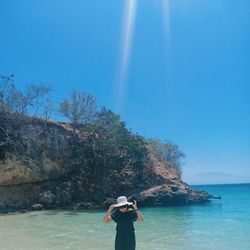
(125, 214)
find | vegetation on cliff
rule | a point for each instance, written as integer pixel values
(108, 136)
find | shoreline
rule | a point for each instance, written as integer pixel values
(22, 211)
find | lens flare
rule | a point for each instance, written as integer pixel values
(127, 37)
(166, 18)
(167, 36)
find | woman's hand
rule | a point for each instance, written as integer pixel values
(135, 205)
(139, 215)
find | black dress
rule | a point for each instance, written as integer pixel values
(125, 231)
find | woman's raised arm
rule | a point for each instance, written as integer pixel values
(107, 217)
(139, 215)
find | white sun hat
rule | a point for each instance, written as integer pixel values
(122, 201)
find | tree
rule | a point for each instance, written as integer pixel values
(35, 96)
(167, 152)
(48, 110)
(79, 108)
(6, 87)
(110, 151)
(13, 100)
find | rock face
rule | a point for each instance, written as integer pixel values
(166, 195)
(166, 187)
(33, 155)
(37, 170)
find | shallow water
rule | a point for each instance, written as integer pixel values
(222, 224)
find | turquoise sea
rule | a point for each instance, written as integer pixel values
(219, 225)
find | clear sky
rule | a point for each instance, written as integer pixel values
(174, 69)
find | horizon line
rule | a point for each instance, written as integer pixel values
(214, 184)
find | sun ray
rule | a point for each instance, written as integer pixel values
(167, 38)
(166, 18)
(127, 38)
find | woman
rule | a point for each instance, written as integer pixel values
(124, 216)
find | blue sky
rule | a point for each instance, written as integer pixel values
(186, 78)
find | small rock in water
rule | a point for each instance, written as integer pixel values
(37, 207)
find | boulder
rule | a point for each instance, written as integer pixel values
(47, 198)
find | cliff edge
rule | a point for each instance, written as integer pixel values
(47, 164)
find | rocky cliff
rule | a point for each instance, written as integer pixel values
(41, 166)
